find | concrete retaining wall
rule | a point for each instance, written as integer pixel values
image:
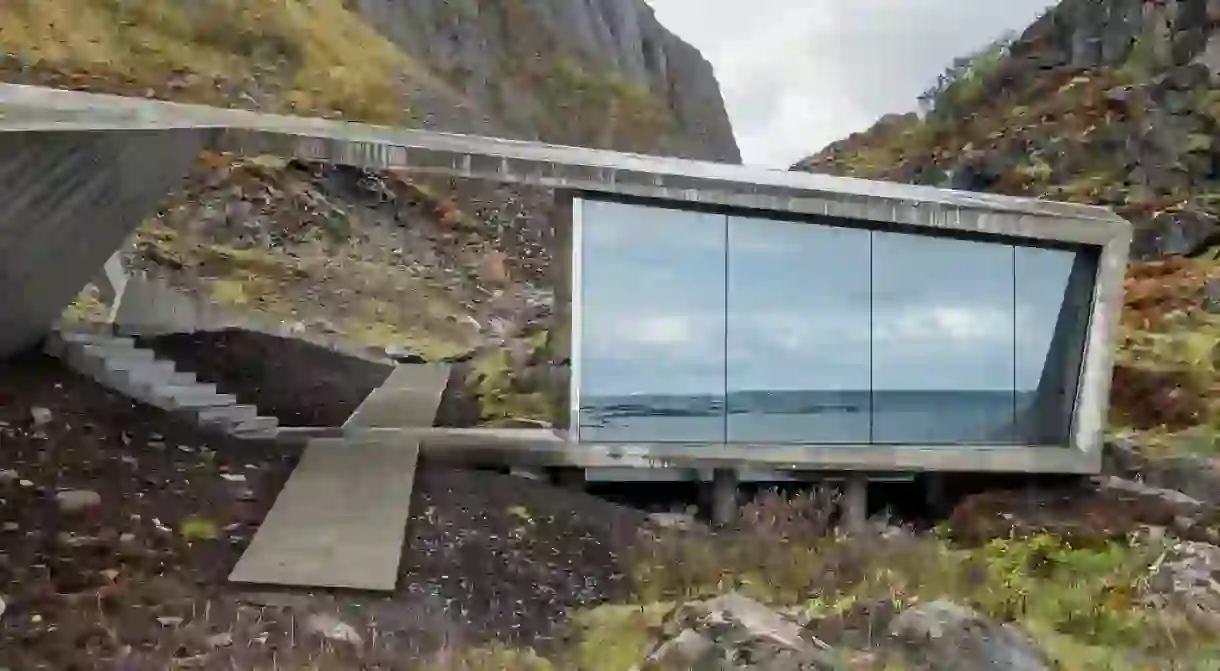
(68, 200)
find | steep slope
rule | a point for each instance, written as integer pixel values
(378, 259)
(1114, 103)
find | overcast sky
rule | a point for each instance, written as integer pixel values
(799, 74)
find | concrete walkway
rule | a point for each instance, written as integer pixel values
(341, 519)
(407, 399)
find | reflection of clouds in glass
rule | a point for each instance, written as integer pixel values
(962, 324)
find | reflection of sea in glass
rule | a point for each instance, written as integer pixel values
(652, 324)
(798, 332)
(703, 328)
(943, 340)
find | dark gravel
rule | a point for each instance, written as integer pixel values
(299, 383)
(120, 584)
(513, 556)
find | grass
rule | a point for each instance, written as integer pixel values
(309, 57)
(1087, 605)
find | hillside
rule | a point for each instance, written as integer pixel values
(1114, 103)
(431, 266)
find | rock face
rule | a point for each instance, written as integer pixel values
(1114, 103)
(528, 67)
(944, 635)
(733, 632)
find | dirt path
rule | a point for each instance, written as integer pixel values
(128, 570)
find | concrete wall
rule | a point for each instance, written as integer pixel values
(68, 200)
(151, 306)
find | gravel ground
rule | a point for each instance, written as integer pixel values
(300, 383)
(118, 525)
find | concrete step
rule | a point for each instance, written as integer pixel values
(83, 356)
(92, 338)
(111, 352)
(228, 416)
(259, 427)
(191, 397)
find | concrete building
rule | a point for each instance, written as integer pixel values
(713, 316)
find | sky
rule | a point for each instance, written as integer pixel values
(807, 307)
(800, 74)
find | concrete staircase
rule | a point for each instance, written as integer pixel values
(117, 363)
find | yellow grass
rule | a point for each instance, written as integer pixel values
(314, 55)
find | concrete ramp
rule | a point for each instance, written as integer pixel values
(341, 519)
(407, 399)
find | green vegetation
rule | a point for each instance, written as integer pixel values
(312, 57)
(578, 106)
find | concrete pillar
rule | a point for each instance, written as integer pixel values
(855, 503)
(724, 496)
(570, 478)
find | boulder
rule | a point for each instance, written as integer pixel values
(944, 635)
(1185, 578)
(1180, 232)
(1193, 476)
(733, 632)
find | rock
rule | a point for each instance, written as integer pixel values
(331, 628)
(74, 500)
(733, 632)
(403, 355)
(41, 416)
(1211, 296)
(1195, 477)
(944, 635)
(222, 640)
(1170, 497)
(1185, 577)
(1171, 233)
(680, 521)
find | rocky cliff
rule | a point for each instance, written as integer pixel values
(1111, 102)
(599, 73)
(586, 72)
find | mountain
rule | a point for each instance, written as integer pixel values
(381, 259)
(1114, 103)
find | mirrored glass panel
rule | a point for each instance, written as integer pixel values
(798, 333)
(943, 342)
(1054, 294)
(652, 318)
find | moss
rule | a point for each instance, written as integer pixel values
(611, 637)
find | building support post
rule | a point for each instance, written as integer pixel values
(570, 478)
(855, 503)
(724, 495)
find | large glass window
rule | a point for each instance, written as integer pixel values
(798, 333)
(707, 328)
(943, 324)
(652, 311)
(1053, 299)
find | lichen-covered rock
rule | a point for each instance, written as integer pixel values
(1185, 578)
(944, 635)
(733, 632)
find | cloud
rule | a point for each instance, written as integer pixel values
(962, 324)
(661, 331)
(799, 74)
